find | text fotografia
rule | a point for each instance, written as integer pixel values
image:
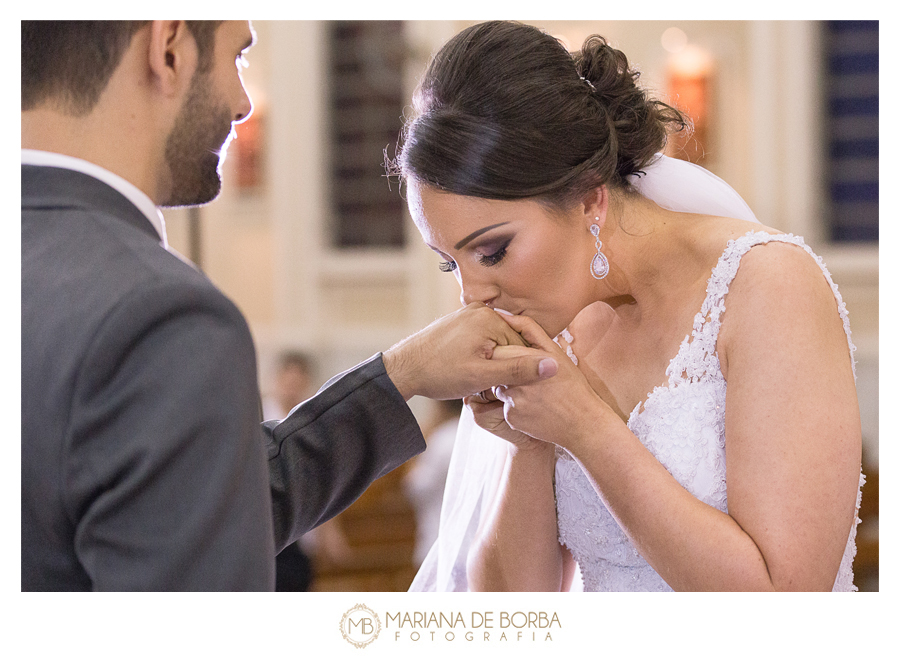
(477, 626)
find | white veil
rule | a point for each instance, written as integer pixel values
(479, 456)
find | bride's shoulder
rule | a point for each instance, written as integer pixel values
(718, 232)
(780, 285)
(765, 253)
(753, 245)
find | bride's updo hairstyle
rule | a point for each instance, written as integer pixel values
(505, 112)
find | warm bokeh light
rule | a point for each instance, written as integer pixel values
(674, 39)
(689, 86)
(691, 61)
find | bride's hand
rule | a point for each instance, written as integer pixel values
(564, 410)
(489, 416)
(488, 413)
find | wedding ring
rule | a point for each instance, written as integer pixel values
(487, 395)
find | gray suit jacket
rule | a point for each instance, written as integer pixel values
(144, 463)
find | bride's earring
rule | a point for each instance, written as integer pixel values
(599, 264)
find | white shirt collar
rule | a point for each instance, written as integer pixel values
(139, 199)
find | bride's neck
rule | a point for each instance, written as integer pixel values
(653, 254)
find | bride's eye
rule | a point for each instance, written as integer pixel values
(447, 266)
(490, 260)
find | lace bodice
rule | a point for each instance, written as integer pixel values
(683, 425)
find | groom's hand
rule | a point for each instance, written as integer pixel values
(452, 357)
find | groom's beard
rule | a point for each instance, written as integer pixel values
(195, 149)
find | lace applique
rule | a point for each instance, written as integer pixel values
(683, 425)
(567, 337)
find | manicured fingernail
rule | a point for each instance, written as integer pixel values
(547, 368)
(500, 310)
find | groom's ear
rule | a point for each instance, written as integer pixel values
(172, 57)
(595, 206)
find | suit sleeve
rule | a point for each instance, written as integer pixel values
(333, 446)
(166, 468)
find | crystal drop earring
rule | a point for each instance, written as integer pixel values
(599, 264)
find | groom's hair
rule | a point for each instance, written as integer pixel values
(67, 64)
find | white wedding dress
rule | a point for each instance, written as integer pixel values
(683, 425)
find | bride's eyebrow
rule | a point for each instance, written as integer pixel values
(466, 240)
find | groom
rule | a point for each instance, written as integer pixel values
(144, 465)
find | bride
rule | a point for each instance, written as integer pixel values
(703, 431)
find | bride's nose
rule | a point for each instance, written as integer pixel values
(485, 293)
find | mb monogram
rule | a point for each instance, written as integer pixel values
(360, 626)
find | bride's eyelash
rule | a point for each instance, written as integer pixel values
(488, 260)
(492, 259)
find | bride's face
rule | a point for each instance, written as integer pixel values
(513, 255)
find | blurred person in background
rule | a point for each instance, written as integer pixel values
(294, 569)
(293, 383)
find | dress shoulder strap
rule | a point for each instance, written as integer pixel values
(726, 269)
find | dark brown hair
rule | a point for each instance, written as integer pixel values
(505, 112)
(69, 63)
